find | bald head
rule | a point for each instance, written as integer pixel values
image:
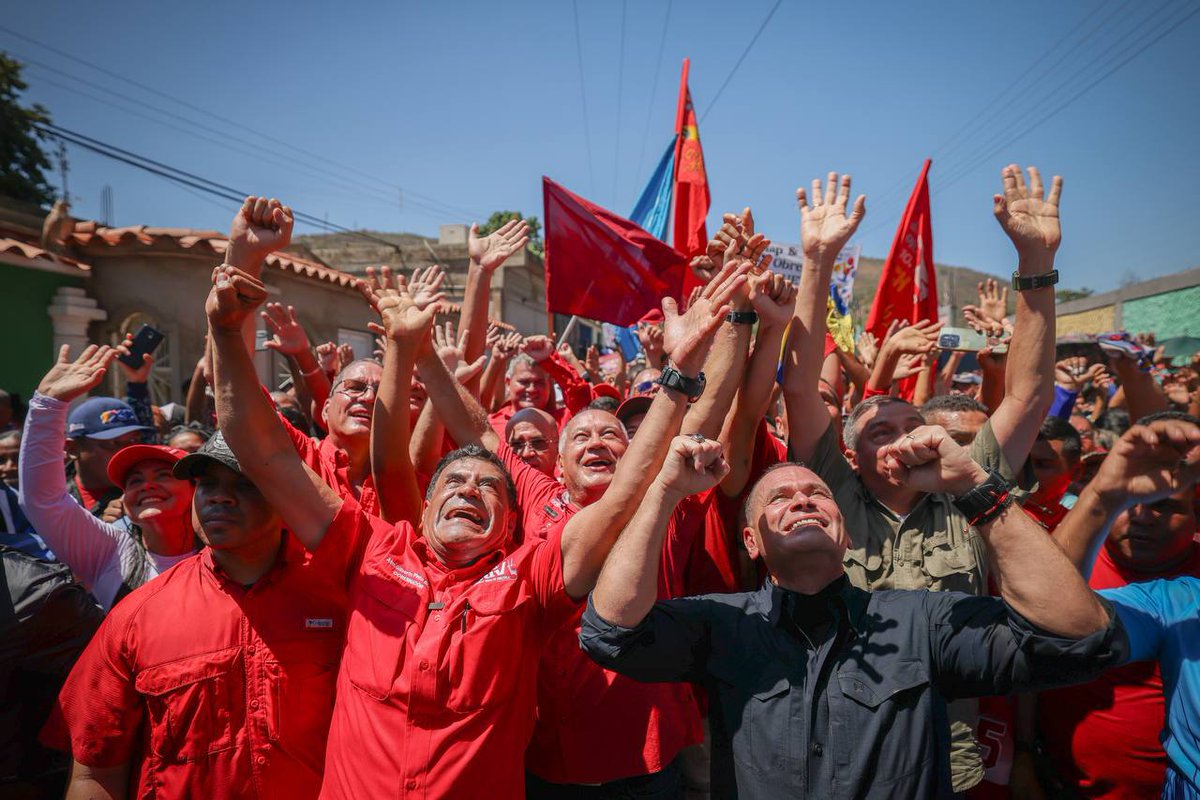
(532, 434)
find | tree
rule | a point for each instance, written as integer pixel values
(498, 218)
(1067, 295)
(22, 162)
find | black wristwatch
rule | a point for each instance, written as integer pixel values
(985, 502)
(742, 317)
(1025, 284)
(675, 380)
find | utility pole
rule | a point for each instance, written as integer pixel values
(62, 169)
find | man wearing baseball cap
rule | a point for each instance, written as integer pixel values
(109, 559)
(96, 429)
(217, 678)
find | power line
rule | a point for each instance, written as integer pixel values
(186, 178)
(208, 113)
(662, 42)
(620, 96)
(741, 58)
(587, 137)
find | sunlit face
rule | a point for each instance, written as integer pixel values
(877, 428)
(792, 519)
(10, 453)
(529, 387)
(416, 397)
(592, 444)
(351, 403)
(534, 445)
(151, 490)
(468, 512)
(963, 426)
(1156, 536)
(92, 457)
(230, 512)
(1087, 432)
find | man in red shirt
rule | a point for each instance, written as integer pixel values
(215, 679)
(436, 694)
(1055, 460)
(532, 434)
(1104, 735)
(531, 379)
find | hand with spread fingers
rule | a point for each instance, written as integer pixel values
(327, 357)
(490, 251)
(824, 226)
(68, 379)
(688, 336)
(261, 227)
(451, 350)
(426, 285)
(234, 297)
(928, 460)
(1073, 373)
(915, 339)
(402, 320)
(1150, 462)
(993, 299)
(773, 298)
(289, 336)
(693, 465)
(1029, 216)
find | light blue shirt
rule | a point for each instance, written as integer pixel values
(1163, 621)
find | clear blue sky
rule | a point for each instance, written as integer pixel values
(460, 108)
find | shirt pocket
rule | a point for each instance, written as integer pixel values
(378, 631)
(951, 565)
(196, 705)
(488, 642)
(756, 707)
(888, 705)
(301, 676)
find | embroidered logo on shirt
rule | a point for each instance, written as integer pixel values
(550, 511)
(318, 623)
(504, 571)
(408, 576)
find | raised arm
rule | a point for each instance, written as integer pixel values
(486, 254)
(1148, 463)
(628, 585)
(248, 420)
(911, 340)
(825, 228)
(589, 534)
(260, 227)
(291, 341)
(1035, 578)
(1030, 219)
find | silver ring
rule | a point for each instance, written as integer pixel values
(699, 437)
(910, 436)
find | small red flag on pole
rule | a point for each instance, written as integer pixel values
(691, 181)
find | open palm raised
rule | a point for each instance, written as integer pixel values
(825, 227)
(491, 251)
(1027, 214)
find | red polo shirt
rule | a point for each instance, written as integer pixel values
(333, 465)
(1104, 735)
(210, 689)
(577, 393)
(437, 691)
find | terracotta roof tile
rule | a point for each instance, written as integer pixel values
(32, 252)
(89, 235)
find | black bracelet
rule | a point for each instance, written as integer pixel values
(742, 317)
(1022, 283)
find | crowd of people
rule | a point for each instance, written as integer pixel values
(748, 563)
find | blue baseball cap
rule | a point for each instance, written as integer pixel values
(102, 418)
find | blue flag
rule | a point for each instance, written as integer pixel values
(652, 214)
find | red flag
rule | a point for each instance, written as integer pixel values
(602, 266)
(908, 285)
(691, 180)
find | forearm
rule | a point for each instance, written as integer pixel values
(885, 367)
(476, 296)
(94, 783)
(425, 449)
(924, 388)
(312, 381)
(991, 390)
(802, 359)
(196, 403)
(493, 379)
(391, 467)
(246, 416)
(724, 364)
(1037, 581)
(628, 585)
(1084, 529)
(855, 369)
(753, 400)
(1029, 372)
(137, 397)
(1143, 395)
(460, 412)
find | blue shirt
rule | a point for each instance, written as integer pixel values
(1162, 618)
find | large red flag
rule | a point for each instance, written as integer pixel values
(908, 285)
(602, 266)
(691, 180)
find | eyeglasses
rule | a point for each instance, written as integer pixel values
(538, 445)
(356, 389)
(644, 386)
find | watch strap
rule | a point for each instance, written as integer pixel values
(1026, 283)
(675, 380)
(742, 317)
(985, 502)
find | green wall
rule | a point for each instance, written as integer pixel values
(1166, 315)
(25, 327)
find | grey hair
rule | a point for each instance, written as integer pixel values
(521, 360)
(849, 431)
(562, 436)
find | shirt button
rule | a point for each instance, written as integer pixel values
(437, 617)
(412, 784)
(818, 751)
(250, 650)
(424, 665)
(261, 760)
(254, 704)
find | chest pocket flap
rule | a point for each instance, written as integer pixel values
(384, 610)
(491, 645)
(873, 689)
(195, 704)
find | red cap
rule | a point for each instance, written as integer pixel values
(606, 390)
(128, 457)
(653, 317)
(634, 406)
